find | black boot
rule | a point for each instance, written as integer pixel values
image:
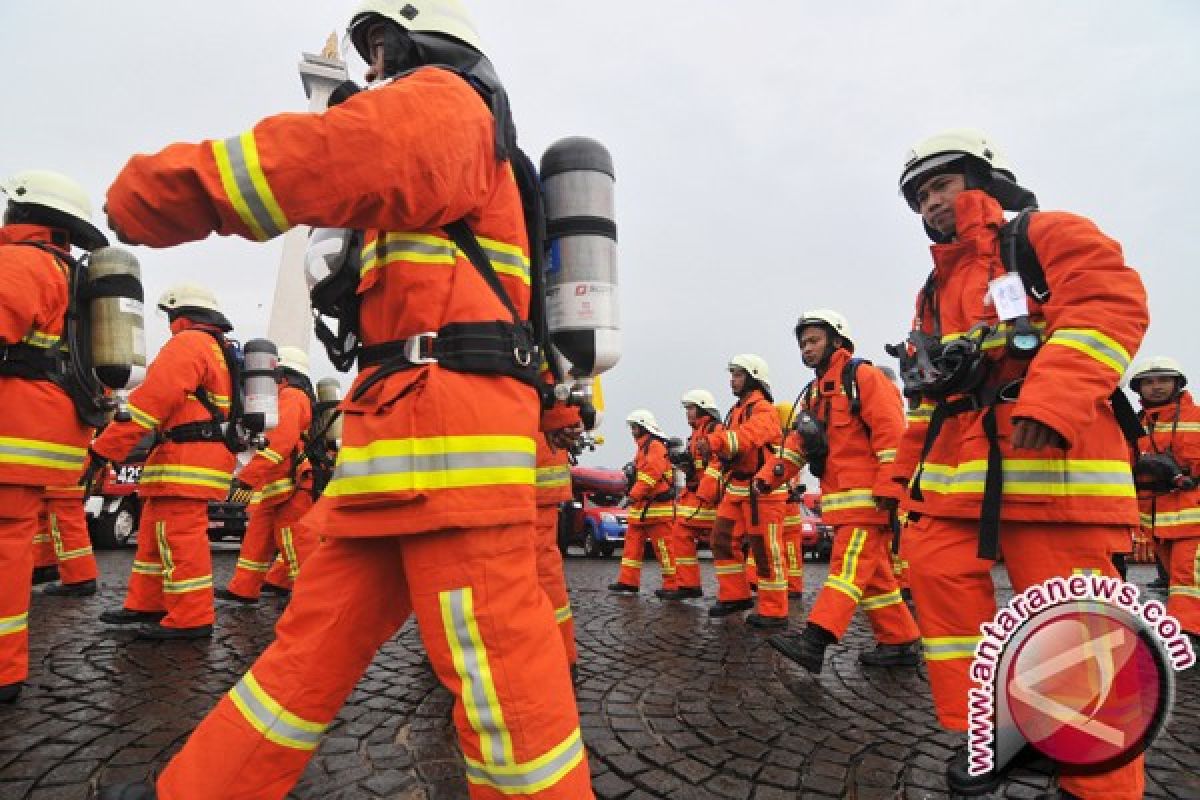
(81, 589)
(681, 593)
(124, 616)
(222, 593)
(153, 630)
(128, 791)
(44, 575)
(806, 648)
(623, 588)
(723, 608)
(764, 623)
(279, 591)
(961, 781)
(9, 692)
(891, 655)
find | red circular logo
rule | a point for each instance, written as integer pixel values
(1087, 686)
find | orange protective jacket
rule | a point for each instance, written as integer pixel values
(42, 441)
(277, 470)
(554, 464)
(1175, 429)
(862, 447)
(750, 437)
(424, 448)
(650, 498)
(1094, 319)
(698, 502)
(191, 360)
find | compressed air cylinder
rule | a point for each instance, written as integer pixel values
(260, 391)
(116, 317)
(581, 273)
(329, 394)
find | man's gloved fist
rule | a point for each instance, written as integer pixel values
(240, 492)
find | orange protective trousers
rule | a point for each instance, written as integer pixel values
(793, 557)
(734, 520)
(683, 548)
(19, 506)
(861, 575)
(486, 625)
(1181, 558)
(659, 531)
(953, 592)
(273, 529)
(552, 579)
(63, 540)
(172, 568)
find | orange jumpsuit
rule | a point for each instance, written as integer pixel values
(553, 489)
(1174, 519)
(172, 568)
(751, 435)
(42, 441)
(862, 448)
(1062, 510)
(63, 539)
(793, 548)
(431, 509)
(696, 511)
(651, 514)
(282, 481)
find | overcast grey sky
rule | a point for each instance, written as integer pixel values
(757, 145)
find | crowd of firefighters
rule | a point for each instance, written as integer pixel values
(443, 501)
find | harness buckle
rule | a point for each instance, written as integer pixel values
(522, 356)
(418, 349)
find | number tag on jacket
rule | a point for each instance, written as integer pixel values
(1008, 296)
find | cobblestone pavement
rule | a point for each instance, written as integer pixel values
(673, 704)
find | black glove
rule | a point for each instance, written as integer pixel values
(93, 465)
(240, 492)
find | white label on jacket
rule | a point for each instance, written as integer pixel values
(1008, 296)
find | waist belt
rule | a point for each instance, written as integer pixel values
(663, 497)
(31, 363)
(481, 348)
(742, 476)
(984, 399)
(206, 431)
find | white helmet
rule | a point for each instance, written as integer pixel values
(57, 192)
(195, 302)
(1156, 366)
(939, 151)
(754, 366)
(702, 399)
(646, 420)
(293, 358)
(828, 318)
(443, 17)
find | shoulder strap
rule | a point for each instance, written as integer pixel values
(467, 242)
(850, 384)
(1127, 418)
(1018, 255)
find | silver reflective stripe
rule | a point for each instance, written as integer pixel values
(269, 721)
(68, 459)
(397, 246)
(245, 185)
(527, 779)
(1100, 346)
(508, 259)
(491, 729)
(441, 462)
(15, 624)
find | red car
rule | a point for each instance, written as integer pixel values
(596, 518)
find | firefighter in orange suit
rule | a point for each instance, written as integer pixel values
(277, 486)
(1027, 386)
(696, 510)
(185, 396)
(848, 426)
(561, 425)
(64, 525)
(1167, 471)
(42, 441)
(651, 507)
(431, 507)
(752, 433)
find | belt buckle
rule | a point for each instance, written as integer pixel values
(414, 345)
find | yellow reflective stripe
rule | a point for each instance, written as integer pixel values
(793, 520)
(729, 569)
(289, 551)
(41, 339)
(553, 477)
(141, 418)
(629, 562)
(687, 561)
(843, 581)
(471, 662)
(886, 456)
(416, 248)
(185, 476)
(69, 555)
(1093, 343)
(1184, 591)
(1033, 476)
(647, 478)
(218, 400)
(713, 472)
(246, 186)
(147, 568)
(164, 551)
(506, 259)
(792, 456)
(1086, 571)
(845, 587)
(276, 488)
(267, 716)
(530, 777)
(41, 538)
(271, 455)
(658, 512)
(922, 413)
(882, 600)
(1183, 427)
(190, 585)
(851, 498)
(949, 648)
(438, 462)
(38, 453)
(731, 439)
(253, 566)
(14, 624)
(563, 614)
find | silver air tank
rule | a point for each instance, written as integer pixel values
(329, 394)
(260, 390)
(581, 271)
(116, 316)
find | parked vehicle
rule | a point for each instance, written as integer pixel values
(595, 518)
(815, 536)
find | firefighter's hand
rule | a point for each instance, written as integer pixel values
(702, 448)
(1029, 434)
(240, 492)
(1143, 549)
(888, 504)
(564, 438)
